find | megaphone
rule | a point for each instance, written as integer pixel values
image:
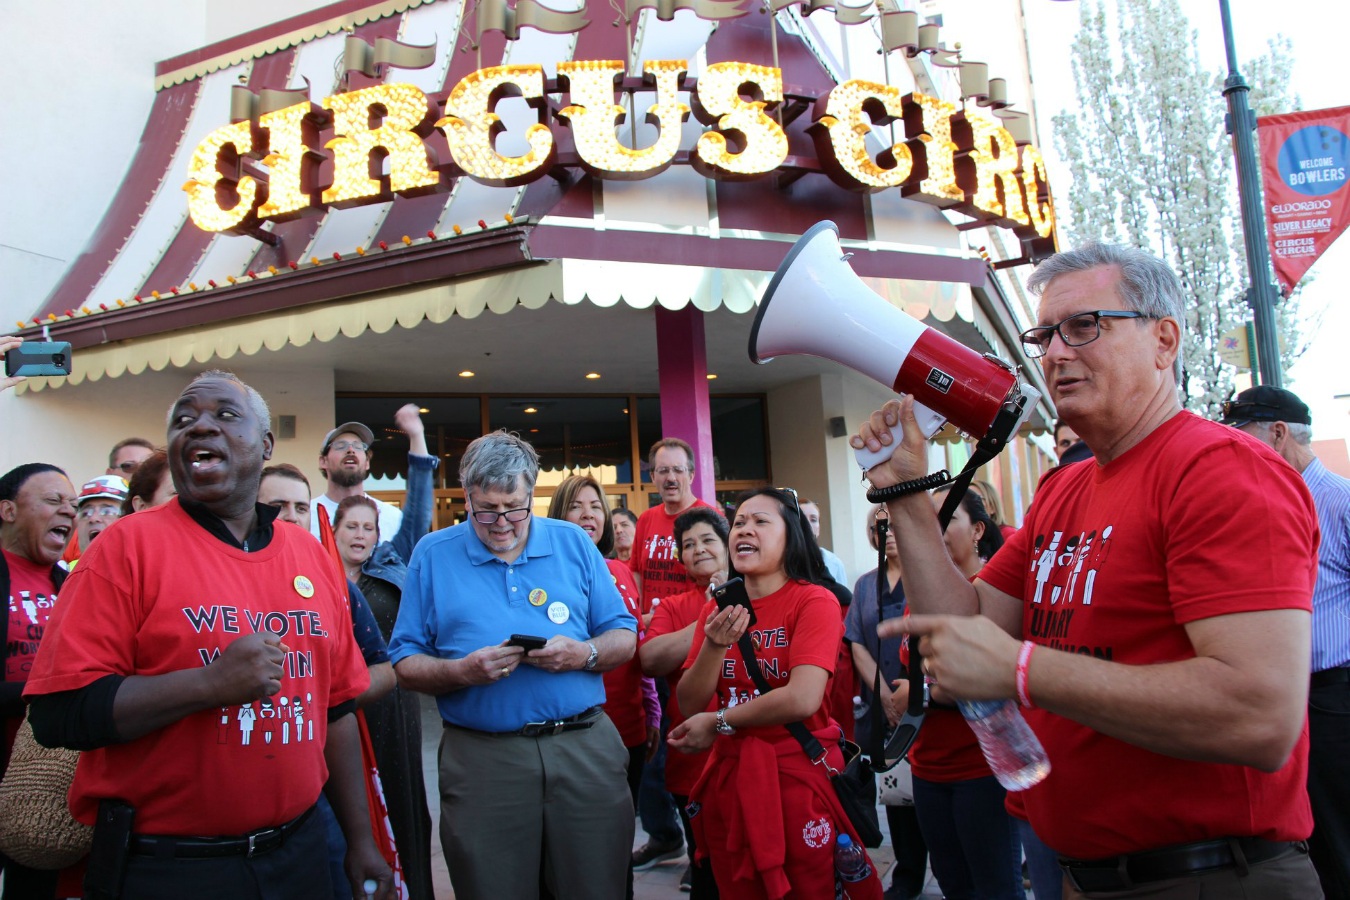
(816, 305)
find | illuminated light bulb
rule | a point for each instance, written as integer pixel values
(720, 104)
(712, 376)
(85, 310)
(294, 265)
(407, 240)
(509, 218)
(993, 170)
(1034, 175)
(406, 114)
(457, 229)
(154, 294)
(423, 410)
(482, 224)
(360, 251)
(70, 314)
(841, 137)
(252, 274)
(103, 306)
(51, 316)
(203, 204)
(211, 282)
(137, 298)
(286, 197)
(530, 409)
(593, 116)
(939, 148)
(383, 245)
(313, 260)
(470, 125)
(174, 290)
(592, 376)
(230, 278)
(119, 303)
(337, 255)
(272, 270)
(431, 235)
(21, 324)
(466, 374)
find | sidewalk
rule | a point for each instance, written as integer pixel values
(661, 882)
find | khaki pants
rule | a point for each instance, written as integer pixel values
(513, 807)
(1287, 877)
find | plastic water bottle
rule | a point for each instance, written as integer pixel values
(1013, 752)
(850, 861)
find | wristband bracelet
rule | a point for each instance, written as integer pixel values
(926, 483)
(1023, 663)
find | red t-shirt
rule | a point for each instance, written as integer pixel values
(623, 685)
(160, 594)
(796, 625)
(1194, 522)
(844, 685)
(31, 598)
(655, 558)
(672, 614)
(946, 750)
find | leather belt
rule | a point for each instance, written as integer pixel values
(580, 721)
(1118, 873)
(1328, 677)
(264, 840)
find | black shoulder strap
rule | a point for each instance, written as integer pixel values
(810, 744)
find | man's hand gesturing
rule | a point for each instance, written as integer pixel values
(248, 669)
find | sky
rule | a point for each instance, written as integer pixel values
(1317, 30)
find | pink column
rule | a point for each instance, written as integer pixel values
(682, 360)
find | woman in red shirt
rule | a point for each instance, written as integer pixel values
(765, 816)
(973, 844)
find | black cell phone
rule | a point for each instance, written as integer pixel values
(732, 593)
(108, 855)
(527, 642)
(39, 358)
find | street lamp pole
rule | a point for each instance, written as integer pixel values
(1261, 293)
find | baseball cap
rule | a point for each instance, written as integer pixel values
(1265, 403)
(355, 428)
(106, 487)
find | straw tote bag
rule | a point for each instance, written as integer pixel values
(36, 827)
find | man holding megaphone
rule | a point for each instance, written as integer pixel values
(1152, 617)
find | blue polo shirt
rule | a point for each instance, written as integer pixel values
(459, 598)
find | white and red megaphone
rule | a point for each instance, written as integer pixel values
(816, 305)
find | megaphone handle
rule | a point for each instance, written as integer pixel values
(930, 423)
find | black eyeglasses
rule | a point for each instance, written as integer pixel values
(1075, 331)
(489, 517)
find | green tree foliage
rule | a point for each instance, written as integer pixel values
(1152, 166)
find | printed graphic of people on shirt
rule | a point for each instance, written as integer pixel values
(1066, 568)
(246, 717)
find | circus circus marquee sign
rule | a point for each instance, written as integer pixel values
(369, 145)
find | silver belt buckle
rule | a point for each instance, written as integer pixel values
(252, 839)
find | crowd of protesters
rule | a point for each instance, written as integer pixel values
(238, 661)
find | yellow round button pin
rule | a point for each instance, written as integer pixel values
(538, 597)
(303, 586)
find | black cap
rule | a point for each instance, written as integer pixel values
(1264, 403)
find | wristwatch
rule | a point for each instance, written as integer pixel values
(723, 726)
(593, 658)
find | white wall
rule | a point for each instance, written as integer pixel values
(75, 116)
(821, 467)
(74, 427)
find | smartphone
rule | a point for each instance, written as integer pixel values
(732, 593)
(527, 642)
(39, 358)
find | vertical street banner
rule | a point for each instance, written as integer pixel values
(1305, 167)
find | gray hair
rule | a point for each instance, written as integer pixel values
(256, 403)
(1147, 284)
(498, 461)
(1298, 432)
